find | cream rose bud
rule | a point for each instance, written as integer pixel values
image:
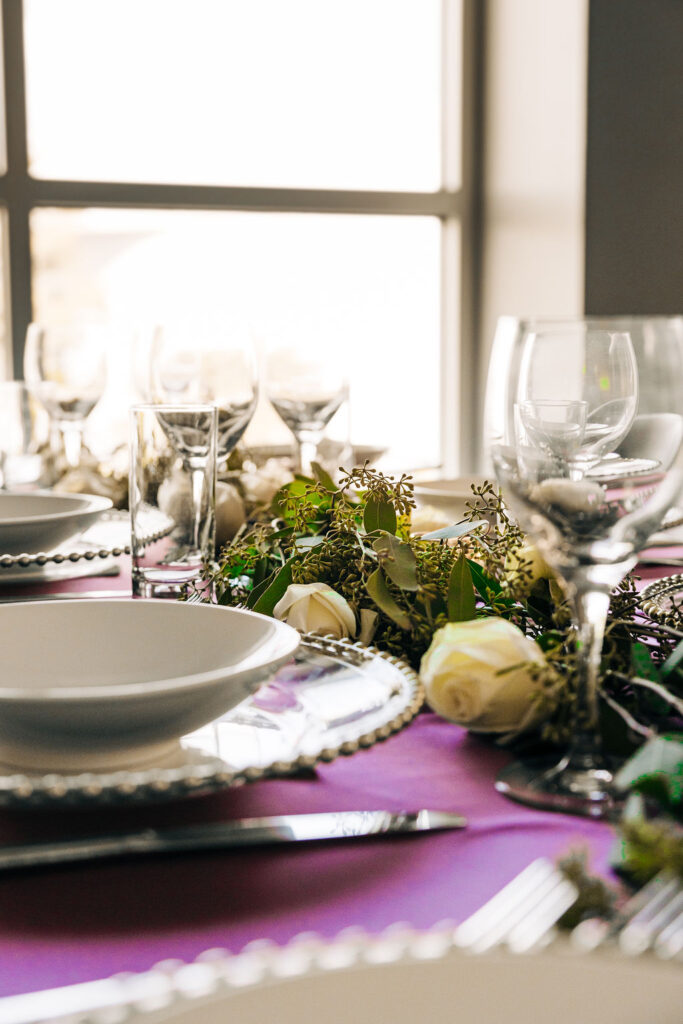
(316, 608)
(533, 562)
(464, 678)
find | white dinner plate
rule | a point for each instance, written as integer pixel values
(99, 684)
(402, 976)
(42, 520)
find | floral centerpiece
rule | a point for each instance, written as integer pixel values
(471, 606)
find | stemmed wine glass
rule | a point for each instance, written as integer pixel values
(65, 368)
(205, 363)
(306, 389)
(584, 423)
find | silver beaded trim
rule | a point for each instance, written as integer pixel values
(159, 784)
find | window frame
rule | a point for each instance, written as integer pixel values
(457, 206)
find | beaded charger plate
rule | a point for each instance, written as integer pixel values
(108, 538)
(334, 698)
(662, 601)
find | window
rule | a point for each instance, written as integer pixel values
(296, 167)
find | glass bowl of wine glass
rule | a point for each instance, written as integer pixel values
(306, 387)
(65, 367)
(584, 425)
(206, 363)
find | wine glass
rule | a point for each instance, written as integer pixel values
(194, 363)
(584, 423)
(306, 389)
(65, 368)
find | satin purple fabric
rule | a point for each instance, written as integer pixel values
(81, 922)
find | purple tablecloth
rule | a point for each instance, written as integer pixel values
(81, 922)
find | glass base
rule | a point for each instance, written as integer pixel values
(571, 789)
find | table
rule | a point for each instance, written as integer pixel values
(81, 922)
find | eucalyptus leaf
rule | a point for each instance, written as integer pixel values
(323, 477)
(642, 662)
(462, 602)
(398, 561)
(309, 542)
(376, 586)
(379, 515)
(272, 594)
(482, 582)
(453, 531)
(656, 769)
(262, 570)
(673, 662)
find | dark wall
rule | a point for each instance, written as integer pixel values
(634, 160)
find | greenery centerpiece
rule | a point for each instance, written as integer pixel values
(471, 606)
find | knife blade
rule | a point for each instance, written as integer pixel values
(291, 828)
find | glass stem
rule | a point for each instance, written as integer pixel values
(72, 433)
(198, 499)
(307, 442)
(590, 616)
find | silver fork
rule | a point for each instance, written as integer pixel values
(651, 919)
(523, 914)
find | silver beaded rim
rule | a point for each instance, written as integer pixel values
(158, 784)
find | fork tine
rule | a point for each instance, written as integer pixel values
(669, 943)
(640, 932)
(532, 902)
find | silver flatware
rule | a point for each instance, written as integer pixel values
(291, 828)
(652, 918)
(522, 914)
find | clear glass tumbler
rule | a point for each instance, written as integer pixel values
(172, 496)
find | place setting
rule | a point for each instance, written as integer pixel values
(282, 619)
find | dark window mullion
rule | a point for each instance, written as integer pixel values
(18, 244)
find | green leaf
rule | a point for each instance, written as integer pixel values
(462, 601)
(276, 589)
(484, 584)
(398, 561)
(376, 586)
(323, 477)
(309, 542)
(673, 662)
(262, 570)
(379, 515)
(656, 770)
(456, 530)
(642, 662)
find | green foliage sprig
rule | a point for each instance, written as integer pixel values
(355, 536)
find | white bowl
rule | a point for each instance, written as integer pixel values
(448, 496)
(38, 521)
(104, 684)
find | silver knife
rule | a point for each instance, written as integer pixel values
(291, 828)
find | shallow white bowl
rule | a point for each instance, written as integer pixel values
(93, 685)
(449, 496)
(38, 521)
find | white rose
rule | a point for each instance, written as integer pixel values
(316, 608)
(261, 485)
(464, 678)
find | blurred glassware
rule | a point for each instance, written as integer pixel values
(306, 387)
(206, 364)
(172, 480)
(65, 368)
(584, 428)
(24, 434)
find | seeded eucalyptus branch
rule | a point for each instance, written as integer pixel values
(355, 537)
